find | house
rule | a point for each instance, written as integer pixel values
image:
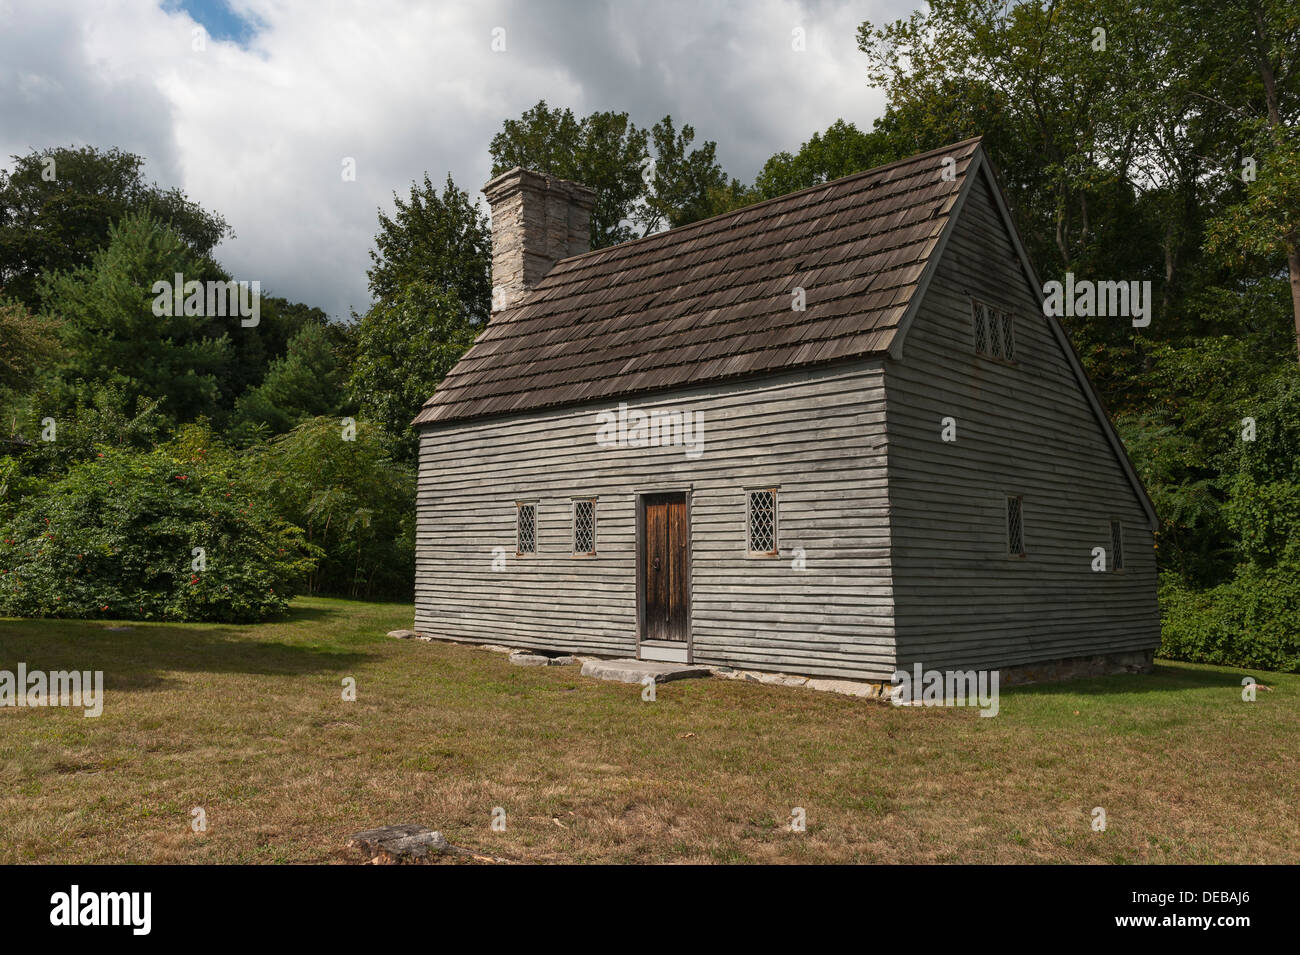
(832, 434)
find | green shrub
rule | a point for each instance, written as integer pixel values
(115, 538)
(1252, 620)
(1265, 518)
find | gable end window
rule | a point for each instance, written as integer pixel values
(1015, 526)
(584, 526)
(993, 331)
(1116, 546)
(526, 528)
(761, 520)
(980, 316)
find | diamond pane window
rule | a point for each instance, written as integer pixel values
(1116, 546)
(1015, 527)
(993, 332)
(527, 528)
(584, 527)
(762, 521)
(981, 317)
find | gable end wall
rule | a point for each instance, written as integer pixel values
(1022, 429)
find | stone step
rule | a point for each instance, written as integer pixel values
(636, 671)
(525, 659)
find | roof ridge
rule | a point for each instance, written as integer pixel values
(766, 202)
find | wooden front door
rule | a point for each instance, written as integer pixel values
(666, 598)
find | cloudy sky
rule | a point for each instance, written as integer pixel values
(255, 116)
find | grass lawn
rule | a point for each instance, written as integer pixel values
(248, 723)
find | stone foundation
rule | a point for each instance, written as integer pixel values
(1074, 668)
(1049, 671)
(870, 689)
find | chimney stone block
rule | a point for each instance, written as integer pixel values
(537, 220)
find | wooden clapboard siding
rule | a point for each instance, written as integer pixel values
(1023, 429)
(818, 435)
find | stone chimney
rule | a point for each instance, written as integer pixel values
(536, 221)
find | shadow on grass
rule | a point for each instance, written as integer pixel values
(1165, 677)
(136, 659)
(298, 612)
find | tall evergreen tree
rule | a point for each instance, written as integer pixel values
(111, 334)
(307, 382)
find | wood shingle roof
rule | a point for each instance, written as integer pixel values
(713, 299)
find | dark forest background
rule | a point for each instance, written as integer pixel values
(1136, 141)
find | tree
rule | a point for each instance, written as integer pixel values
(685, 184)
(1263, 225)
(1093, 111)
(307, 382)
(404, 346)
(840, 151)
(1059, 103)
(354, 502)
(25, 341)
(111, 335)
(645, 180)
(437, 240)
(57, 205)
(604, 150)
(432, 286)
(1259, 92)
(253, 349)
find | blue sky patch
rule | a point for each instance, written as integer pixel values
(216, 16)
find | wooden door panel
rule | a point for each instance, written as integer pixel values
(656, 577)
(676, 560)
(665, 584)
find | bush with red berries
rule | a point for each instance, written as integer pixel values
(158, 535)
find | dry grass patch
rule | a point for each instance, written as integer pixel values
(248, 723)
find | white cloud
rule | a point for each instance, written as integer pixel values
(258, 132)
